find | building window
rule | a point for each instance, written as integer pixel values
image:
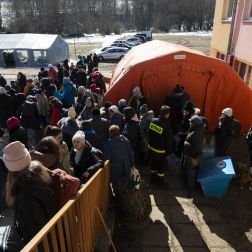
(236, 65)
(242, 70)
(229, 9)
(222, 56)
(247, 15)
(248, 75)
(250, 11)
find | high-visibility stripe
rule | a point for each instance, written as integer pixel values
(160, 174)
(156, 150)
(156, 128)
(153, 171)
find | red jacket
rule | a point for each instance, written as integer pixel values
(55, 116)
(52, 73)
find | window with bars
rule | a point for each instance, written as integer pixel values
(250, 11)
(228, 9)
(248, 75)
(242, 70)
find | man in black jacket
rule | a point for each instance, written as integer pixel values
(193, 150)
(160, 144)
(223, 132)
(100, 126)
(81, 77)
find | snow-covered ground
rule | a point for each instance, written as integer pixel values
(198, 33)
(97, 38)
(108, 39)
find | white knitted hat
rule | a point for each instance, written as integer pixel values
(114, 108)
(16, 157)
(227, 112)
(79, 136)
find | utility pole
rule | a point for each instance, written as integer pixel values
(230, 48)
(76, 23)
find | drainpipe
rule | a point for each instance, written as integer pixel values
(230, 48)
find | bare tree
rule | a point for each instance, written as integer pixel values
(78, 16)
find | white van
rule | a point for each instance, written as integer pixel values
(147, 34)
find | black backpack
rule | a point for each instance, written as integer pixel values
(236, 129)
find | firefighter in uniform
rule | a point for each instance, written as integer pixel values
(160, 144)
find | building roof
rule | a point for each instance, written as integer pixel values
(26, 41)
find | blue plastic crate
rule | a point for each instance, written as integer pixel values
(215, 175)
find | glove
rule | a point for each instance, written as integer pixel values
(85, 175)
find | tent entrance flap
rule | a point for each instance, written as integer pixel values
(9, 59)
(158, 83)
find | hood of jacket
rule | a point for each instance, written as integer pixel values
(27, 178)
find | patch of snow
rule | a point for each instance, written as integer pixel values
(97, 38)
(109, 39)
(197, 33)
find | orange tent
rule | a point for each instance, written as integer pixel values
(158, 66)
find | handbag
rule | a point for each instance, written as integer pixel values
(65, 186)
(10, 241)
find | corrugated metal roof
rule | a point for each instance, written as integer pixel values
(26, 41)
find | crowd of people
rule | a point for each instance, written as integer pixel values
(58, 119)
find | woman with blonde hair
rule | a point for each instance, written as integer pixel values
(28, 191)
(56, 133)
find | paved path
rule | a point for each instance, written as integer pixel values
(181, 224)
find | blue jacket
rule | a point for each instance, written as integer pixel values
(67, 93)
(118, 151)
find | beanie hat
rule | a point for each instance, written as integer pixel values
(129, 112)
(114, 108)
(79, 136)
(71, 112)
(95, 76)
(16, 157)
(96, 111)
(227, 111)
(196, 120)
(93, 86)
(50, 65)
(189, 107)
(122, 103)
(31, 98)
(12, 122)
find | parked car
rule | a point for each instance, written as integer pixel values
(134, 41)
(104, 48)
(146, 34)
(123, 41)
(120, 44)
(113, 53)
(142, 37)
